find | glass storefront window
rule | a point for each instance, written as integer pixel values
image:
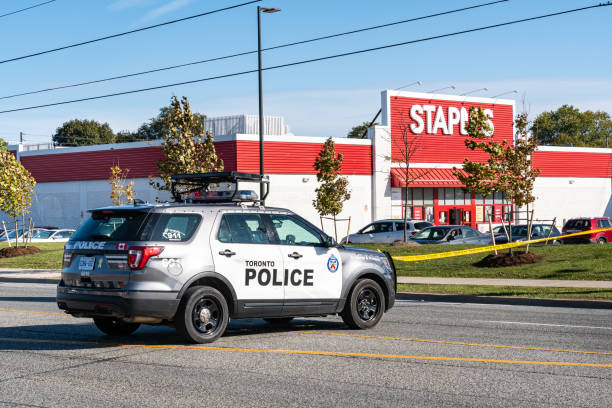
(428, 196)
(417, 196)
(449, 198)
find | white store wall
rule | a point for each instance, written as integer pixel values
(569, 197)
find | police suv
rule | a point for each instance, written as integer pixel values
(215, 255)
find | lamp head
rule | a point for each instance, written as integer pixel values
(269, 10)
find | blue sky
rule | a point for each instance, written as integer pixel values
(565, 59)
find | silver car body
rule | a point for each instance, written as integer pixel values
(258, 279)
(386, 231)
(452, 235)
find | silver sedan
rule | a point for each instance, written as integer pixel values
(451, 234)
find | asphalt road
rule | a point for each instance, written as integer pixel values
(422, 354)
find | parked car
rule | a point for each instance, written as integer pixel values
(58, 235)
(584, 224)
(386, 231)
(519, 233)
(451, 234)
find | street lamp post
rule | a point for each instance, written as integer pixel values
(261, 124)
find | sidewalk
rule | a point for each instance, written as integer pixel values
(53, 276)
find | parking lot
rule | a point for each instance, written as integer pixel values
(422, 354)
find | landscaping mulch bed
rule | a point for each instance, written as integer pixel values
(12, 252)
(505, 259)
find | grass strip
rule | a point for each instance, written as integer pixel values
(510, 291)
(49, 257)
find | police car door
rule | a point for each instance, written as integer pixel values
(312, 271)
(243, 254)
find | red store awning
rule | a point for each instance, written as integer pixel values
(424, 177)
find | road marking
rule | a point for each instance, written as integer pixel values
(312, 353)
(544, 324)
(31, 311)
(459, 343)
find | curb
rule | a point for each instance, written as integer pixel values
(53, 281)
(501, 300)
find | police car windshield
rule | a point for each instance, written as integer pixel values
(111, 226)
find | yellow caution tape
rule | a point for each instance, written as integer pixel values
(413, 258)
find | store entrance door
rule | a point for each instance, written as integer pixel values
(454, 216)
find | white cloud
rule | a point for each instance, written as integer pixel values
(165, 9)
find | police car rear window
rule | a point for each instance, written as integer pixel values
(170, 227)
(111, 226)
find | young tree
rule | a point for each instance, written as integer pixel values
(121, 193)
(187, 148)
(82, 133)
(16, 188)
(333, 191)
(508, 168)
(407, 144)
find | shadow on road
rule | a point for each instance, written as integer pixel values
(83, 335)
(50, 299)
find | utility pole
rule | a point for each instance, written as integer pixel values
(20, 137)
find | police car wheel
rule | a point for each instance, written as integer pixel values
(365, 305)
(115, 326)
(279, 321)
(202, 315)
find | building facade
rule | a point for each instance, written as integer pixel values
(422, 132)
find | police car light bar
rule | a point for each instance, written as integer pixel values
(195, 187)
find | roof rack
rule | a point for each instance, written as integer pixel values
(183, 184)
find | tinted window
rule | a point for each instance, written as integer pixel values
(378, 227)
(421, 225)
(578, 224)
(42, 234)
(171, 227)
(432, 234)
(111, 226)
(292, 231)
(63, 234)
(242, 229)
(603, 223)
(456, 233)
(399, 226)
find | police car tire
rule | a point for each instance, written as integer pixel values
(115, 326)
(363, 290)
(279, 321)
(187, 315)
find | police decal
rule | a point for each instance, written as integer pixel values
(332, 264)
(264, 273)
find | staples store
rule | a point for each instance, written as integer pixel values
(429, 128)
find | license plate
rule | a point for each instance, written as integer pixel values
(86, 263)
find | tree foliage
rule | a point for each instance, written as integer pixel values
(360, 131)
(121, 192)
(508, 168)
(333, 191)
(186, 147)
(568, 126)
(83, 133)
(3, 142)
(16, 187)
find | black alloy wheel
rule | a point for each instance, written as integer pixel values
(365, 305)
(203, 315)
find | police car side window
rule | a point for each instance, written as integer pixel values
(291, 231)
(242, 229)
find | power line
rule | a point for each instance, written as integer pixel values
(250, 52)
(290, 64)
(127, 32)
(27, 8)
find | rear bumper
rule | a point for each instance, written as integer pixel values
(124, 304)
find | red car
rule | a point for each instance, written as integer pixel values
(585, 224)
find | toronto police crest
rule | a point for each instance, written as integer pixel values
(332, 264)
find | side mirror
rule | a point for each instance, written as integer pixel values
(330, 242)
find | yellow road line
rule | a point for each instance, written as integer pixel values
(438, 255)
(31, 311)
(459, 343)
(318, 353)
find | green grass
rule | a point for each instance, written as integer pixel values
(573, 262)
(50, 257)
(512, 291)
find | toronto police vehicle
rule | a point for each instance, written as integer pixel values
(213, 255)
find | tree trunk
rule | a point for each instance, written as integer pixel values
(405, 207)
(8, 241)
(16, 233)
(491, 229)
(554, 221)
(335, 229)
(529, 230)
